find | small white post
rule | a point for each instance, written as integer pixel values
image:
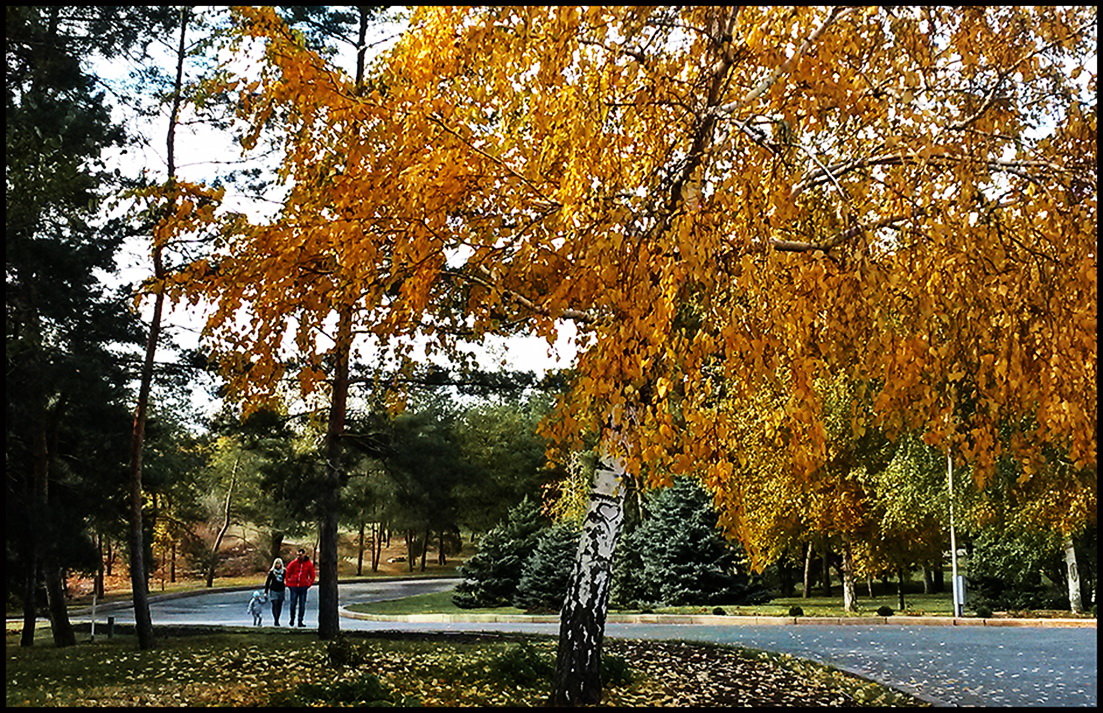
(93, 637)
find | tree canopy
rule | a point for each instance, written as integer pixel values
(728, 202)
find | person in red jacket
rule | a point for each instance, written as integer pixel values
(299, 577)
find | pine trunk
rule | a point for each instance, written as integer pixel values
(1076, 605)
(328, 619)
(143, 623)
(360, 551)
(225, 524)
(582, 620)
(60, 626)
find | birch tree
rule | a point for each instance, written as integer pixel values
(724, 201)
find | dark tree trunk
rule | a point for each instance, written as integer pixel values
(377, 545)
(277, 545)
(55, 599)
(785, 576)
(410, 537)
(143, 624)
(939, 579)
(826, 570)
(440, 549)
(360, 552)
(928, 581)
(172, 562)
(328, 619)
(225, 524)
(425, 547)
(30, 597)
(582, 620)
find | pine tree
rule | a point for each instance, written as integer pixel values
(547, 571)
(678, 556)
(491, 576)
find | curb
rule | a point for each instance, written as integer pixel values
(715, 620)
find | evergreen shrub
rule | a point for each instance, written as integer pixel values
(547, 571)
(492, 574)
(884, 610)
(796, 611)
(678, 556)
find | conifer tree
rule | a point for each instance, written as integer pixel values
(491, 576)
(547, 571)
(680, 555)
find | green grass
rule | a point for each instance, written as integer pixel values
(432, 603)
(918, 604)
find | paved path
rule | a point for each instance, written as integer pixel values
(949, 665)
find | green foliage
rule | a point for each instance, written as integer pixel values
(885, 610)
(341, 652)
(615, 671)
(678, 555)
(796, 611)
(719, 611)
(1005, 570)
(521, 665)
(983, 611)
(491, 575)
(546, 573)
(364, 690)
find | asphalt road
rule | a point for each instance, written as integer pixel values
(948, 665)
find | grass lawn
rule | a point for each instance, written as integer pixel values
(919, 604)
(200, 667)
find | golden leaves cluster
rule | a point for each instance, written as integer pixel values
(732, 204)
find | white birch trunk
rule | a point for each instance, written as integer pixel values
(1075, 604)
(582, 620)
(849, 598)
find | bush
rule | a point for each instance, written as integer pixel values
(982, 611)
(521, 665)
(341, 652)
(367, 689)
(719, 611)
(796, 611)
(884, 610)
(615, 671)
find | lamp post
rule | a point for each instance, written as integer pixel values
(956, 581)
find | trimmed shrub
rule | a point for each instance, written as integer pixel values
(885, 610)
(796, 611)
(982, 611)
(719, 611)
